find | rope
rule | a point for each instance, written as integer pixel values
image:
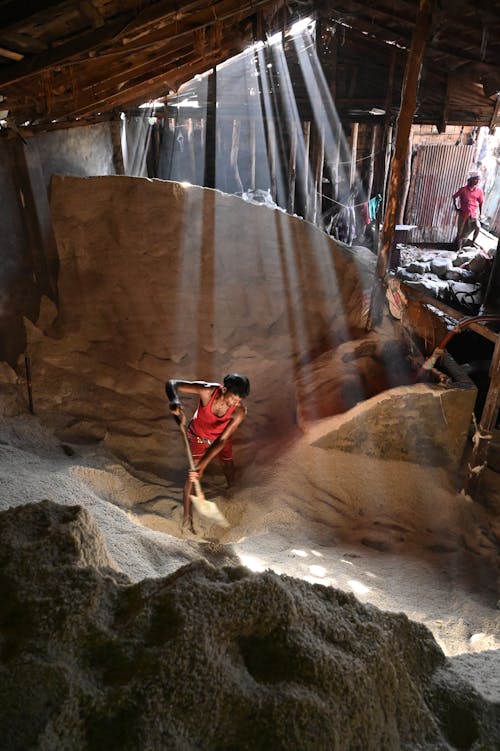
(344, 205)
(362, 158)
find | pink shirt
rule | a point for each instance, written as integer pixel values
(471, 201)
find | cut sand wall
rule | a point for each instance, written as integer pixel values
(160, 280)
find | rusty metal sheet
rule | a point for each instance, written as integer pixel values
(437, 173)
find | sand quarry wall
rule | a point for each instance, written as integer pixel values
(160, 280)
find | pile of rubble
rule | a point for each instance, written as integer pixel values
(457, 278)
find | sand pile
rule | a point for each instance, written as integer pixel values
(207, 658)
(154, 285)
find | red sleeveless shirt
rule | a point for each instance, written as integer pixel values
(207, 425)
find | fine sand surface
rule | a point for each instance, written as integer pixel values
(418, 547)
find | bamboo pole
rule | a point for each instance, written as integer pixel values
(211, 131)
(318, 177)
(235, 147)
(190, 143)
(388, 127)
(371, 163)
(403, 128)
(335, 160)
(292, 169)
(272, 157)
(305, 174)
(387, 165)
(252, 155)
(116, 142)
(354, 153)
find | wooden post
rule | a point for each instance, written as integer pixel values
(211, 138)
(387, 165)
(235, 147)
(354, 153)
(388, 127)
(405, 183)
(305, 174)
(190, 145)
(491, 301)
(494, 117)
(157, 150)
(444, 114)
(201, 166)
(484, 431)
(116, 142)
(404, 123)
(335, 160)
(292, 168)
(252, 155)
(318, 177)
(272, 157)
(371, 163)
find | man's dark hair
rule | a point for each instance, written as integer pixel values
(237, 384)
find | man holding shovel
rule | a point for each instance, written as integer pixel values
(220, 411)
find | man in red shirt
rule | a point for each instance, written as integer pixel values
(220, 411)
(471, 199)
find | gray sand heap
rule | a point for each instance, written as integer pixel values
(207, 658)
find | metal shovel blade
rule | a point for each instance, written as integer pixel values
(210, 510)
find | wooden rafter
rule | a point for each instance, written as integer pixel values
(64, 53)
(14, 11)
(87, 55)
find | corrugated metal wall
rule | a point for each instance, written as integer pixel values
(437, 173)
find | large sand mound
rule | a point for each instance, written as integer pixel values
(208, 658)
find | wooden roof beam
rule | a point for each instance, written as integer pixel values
(221, 11)
(90, 13)
(128, 71)
(14, 12)
(143, 86)
(22, 42)
(65, 52)
(88, 41)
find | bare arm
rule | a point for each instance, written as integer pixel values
(203, 389)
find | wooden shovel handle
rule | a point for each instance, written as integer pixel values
(197, 485)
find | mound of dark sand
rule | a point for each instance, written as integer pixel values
(207, 658)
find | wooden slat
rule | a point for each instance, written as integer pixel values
(10, 54)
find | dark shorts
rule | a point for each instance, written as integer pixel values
(466, 225)
(199, 446)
